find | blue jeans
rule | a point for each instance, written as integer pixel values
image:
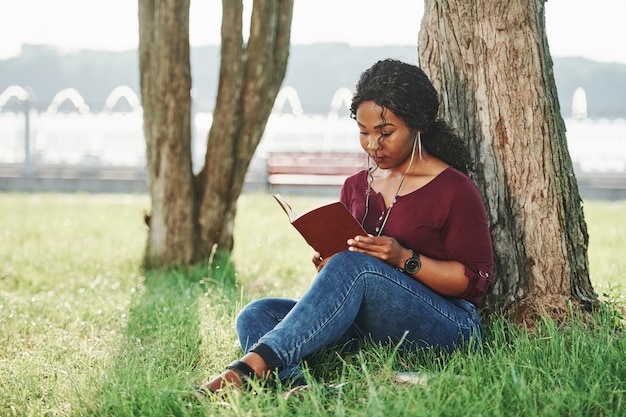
(355, 296)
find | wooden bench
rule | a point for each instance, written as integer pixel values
(312, 169)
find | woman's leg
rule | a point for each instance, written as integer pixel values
(358, 291)
(259, 317)
(385, 304)
(253, 321)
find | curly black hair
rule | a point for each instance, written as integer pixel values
(405, 90)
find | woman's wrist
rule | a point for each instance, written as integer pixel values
(406, 255)
(412, 264)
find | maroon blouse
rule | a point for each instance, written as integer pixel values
(444, 220)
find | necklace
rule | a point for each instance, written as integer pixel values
(379, 230)
(395, 198)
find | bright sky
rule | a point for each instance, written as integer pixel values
(592, 29)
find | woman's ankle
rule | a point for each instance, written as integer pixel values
(258, 365)
(235, 378)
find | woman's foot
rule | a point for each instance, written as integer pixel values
(251, 366)
(227, 378)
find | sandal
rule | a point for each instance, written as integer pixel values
(244, 370)
(245, 374)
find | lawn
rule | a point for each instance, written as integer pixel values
(85, 331)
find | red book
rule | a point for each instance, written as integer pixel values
(326, 228)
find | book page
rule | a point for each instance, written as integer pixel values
(283, 203)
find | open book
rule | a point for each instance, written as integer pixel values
(326, 228)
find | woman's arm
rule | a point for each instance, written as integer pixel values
(444, 277)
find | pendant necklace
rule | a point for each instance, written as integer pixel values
(395, 197)
(379, 230)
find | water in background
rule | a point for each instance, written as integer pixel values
(115, 138)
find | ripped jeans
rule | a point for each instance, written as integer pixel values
(355, 296)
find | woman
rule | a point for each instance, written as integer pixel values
(420, 273)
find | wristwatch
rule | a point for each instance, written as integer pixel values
(413, 264)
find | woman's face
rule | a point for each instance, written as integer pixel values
(384, 136)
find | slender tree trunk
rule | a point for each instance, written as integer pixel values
(165, 79)
(490, 59)
(250, 78)
(193, 216)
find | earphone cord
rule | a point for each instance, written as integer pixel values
(368, 191)
(369, 188)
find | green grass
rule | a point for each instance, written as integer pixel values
(84, 331)
(606, 224)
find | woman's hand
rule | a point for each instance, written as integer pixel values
(444, 277)
(385, 248)
(319, 262)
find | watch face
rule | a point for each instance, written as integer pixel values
(412, 265)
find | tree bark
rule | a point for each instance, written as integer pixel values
(193, 216)
(250, 78)
(491, 62)
(165, 79)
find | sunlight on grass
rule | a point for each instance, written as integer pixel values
(272, 258)
(69, 266)
(606, 223)
(84, 331)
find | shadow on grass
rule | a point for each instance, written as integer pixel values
(161, 343)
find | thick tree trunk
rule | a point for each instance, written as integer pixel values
(490, 59)
(165, 78)
(250, 78)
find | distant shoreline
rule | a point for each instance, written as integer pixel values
(316, 71)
